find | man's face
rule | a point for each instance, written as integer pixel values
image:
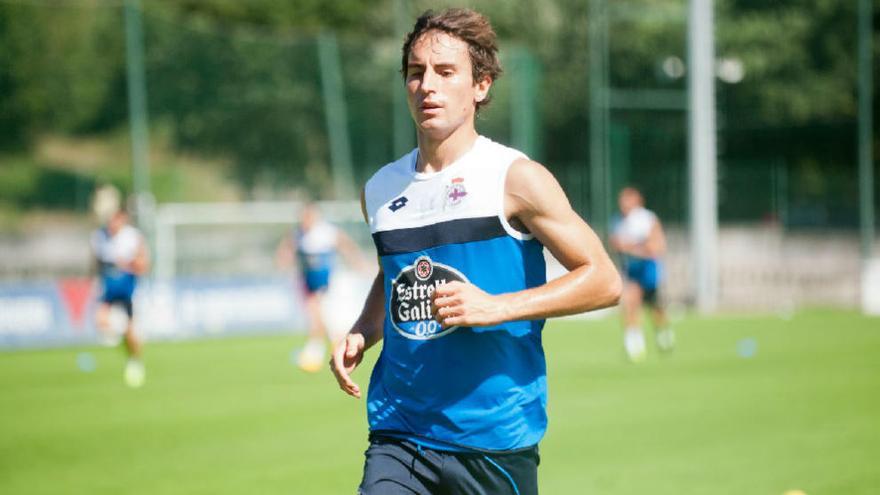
(309, 217)
(441, 91)
(116, 222)
(628, 200)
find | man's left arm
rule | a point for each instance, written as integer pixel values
(140, 265)
(536, 201)
(654, 247)
(352, 254)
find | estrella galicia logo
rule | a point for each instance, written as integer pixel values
(411, 294)
(398, 203)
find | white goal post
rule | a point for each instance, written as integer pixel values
(215, 270)
(171, 216)
(871, 287)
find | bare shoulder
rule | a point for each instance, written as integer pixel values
(527, 174)
(531, 187)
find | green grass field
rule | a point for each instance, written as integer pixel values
(234, 416)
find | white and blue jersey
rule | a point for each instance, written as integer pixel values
(316, 251)
(635, 228)
(111, 252)
(482, 388)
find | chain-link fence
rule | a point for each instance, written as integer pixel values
(241, 105)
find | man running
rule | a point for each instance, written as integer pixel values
(639, 237)
(121, 256)
(314, 245)
(457, 399)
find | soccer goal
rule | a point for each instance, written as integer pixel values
(223, 239)
(215, 269)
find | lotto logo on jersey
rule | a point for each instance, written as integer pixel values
(411, 294)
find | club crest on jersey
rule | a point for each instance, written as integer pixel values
(411, 294)
(455, 191)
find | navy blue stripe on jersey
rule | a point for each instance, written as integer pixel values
(457, 231)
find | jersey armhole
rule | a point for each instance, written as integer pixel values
(502, 195)
(370, 208)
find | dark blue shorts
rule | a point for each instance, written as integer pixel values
(646, 273)
(316, 280)
(119, 290)
(394, 466)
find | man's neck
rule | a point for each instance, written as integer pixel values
(437, 154)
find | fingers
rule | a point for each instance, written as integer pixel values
(351, 352)
(448, 303)
(450, 315)
(347, 350)
(453, 321)
(446, 295)
(448, 288)
(463, 304)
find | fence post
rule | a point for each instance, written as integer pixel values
(335, 114)
(703, 156)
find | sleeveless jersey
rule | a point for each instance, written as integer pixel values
(636, 228)
(479, 388)
(316, 248)
(112, 250)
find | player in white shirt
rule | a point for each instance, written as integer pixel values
(313, 245)
(121, 256)
(639, 237)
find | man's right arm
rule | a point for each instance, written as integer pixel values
(372, 317)
(366, 332)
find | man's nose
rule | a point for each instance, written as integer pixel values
(429, 81)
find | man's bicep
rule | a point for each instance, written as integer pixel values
(567, 236)
(545, 211)
(657, 239)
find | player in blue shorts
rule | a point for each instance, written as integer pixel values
(457, 398)
(121, 257)
(638, 236)
(314, 245)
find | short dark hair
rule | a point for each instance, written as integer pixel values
(469, 26)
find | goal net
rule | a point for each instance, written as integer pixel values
(215, 270)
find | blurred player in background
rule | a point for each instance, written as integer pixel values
(312, 247)
(638, 236)
(121, 256)
(457, 399)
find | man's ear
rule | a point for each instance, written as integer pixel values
(482, 86)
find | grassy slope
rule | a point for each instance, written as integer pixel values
(232, 416)
(58, 177)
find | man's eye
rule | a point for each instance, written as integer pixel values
(447, 73)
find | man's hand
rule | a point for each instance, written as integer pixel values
(346, 357)
(458, 303)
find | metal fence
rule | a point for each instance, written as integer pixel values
(235, 109)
